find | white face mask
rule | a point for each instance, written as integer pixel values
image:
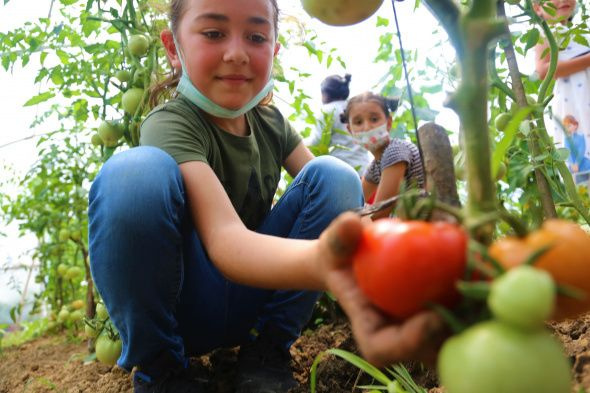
(373, 139)
(188, 89)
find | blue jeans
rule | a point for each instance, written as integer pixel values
(162, 291)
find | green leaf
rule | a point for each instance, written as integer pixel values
(63, 56)
(39, 98)
(532, 39)
(5, 62)
(382, 21)
(509, 133)
(68, 2)
(562, 153)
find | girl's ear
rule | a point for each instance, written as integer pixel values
(277, 47)
(389, 122)
(168, 42)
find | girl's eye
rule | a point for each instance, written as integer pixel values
(213, 34)
(258, 38)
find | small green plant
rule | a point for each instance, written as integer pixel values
(398, 381)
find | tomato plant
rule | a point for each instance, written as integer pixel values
(566, 259)
(404, 266)
(493, 357)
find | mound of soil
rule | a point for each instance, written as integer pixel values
(54, 363)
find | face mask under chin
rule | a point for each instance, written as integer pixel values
(188, 89)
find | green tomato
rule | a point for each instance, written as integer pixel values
(73, 272)
(107, 350)
(63, 235)
(341, 12)
(138, 77)
(123, 76)
(96, 140)
(501, 171)
(63, 315)
(76, 235)
(110, 133)
(523, 297)
(76, 316)
(101, 311)
(62, 269)
(131, 100)
(493, 357)
(501, 121)
(138, 45)
(90, 331)
(77, 304)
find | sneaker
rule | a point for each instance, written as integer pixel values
(264, 366)
(172, 382)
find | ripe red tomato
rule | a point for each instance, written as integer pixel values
(403, 265)
(568, 259)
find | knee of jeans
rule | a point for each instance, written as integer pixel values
(137, 180)
(338, 180)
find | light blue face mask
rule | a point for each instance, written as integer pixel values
(187, 89)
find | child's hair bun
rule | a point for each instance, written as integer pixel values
(392, 103)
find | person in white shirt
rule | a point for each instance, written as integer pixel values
(335, 90)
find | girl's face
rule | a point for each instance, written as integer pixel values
(564, 9)
(365, 116)
(228, 48)
(571, 127)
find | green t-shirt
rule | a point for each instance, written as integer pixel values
(249, 167)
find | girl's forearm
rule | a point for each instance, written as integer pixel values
(265, 261)
(568, 67)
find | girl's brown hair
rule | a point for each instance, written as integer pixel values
(388, 105)
(166, 88)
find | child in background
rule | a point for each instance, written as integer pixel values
(335, 90)
(185, 250)
(578, 161)
(368, 118)
(572, 76)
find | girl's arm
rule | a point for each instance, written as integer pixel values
(564, 68)
(240, 254)
(391, 180)
(300, 156)
(272, 262)
(369, 188)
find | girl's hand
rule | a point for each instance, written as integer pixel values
(381, 340)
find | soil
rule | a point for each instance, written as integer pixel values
(58, 364)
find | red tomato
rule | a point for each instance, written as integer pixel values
(403, 266)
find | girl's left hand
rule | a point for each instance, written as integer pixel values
(381, 340)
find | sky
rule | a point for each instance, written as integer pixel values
(356, 45)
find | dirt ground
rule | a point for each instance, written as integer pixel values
(54, 364)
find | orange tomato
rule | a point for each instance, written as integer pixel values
(568, 260)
